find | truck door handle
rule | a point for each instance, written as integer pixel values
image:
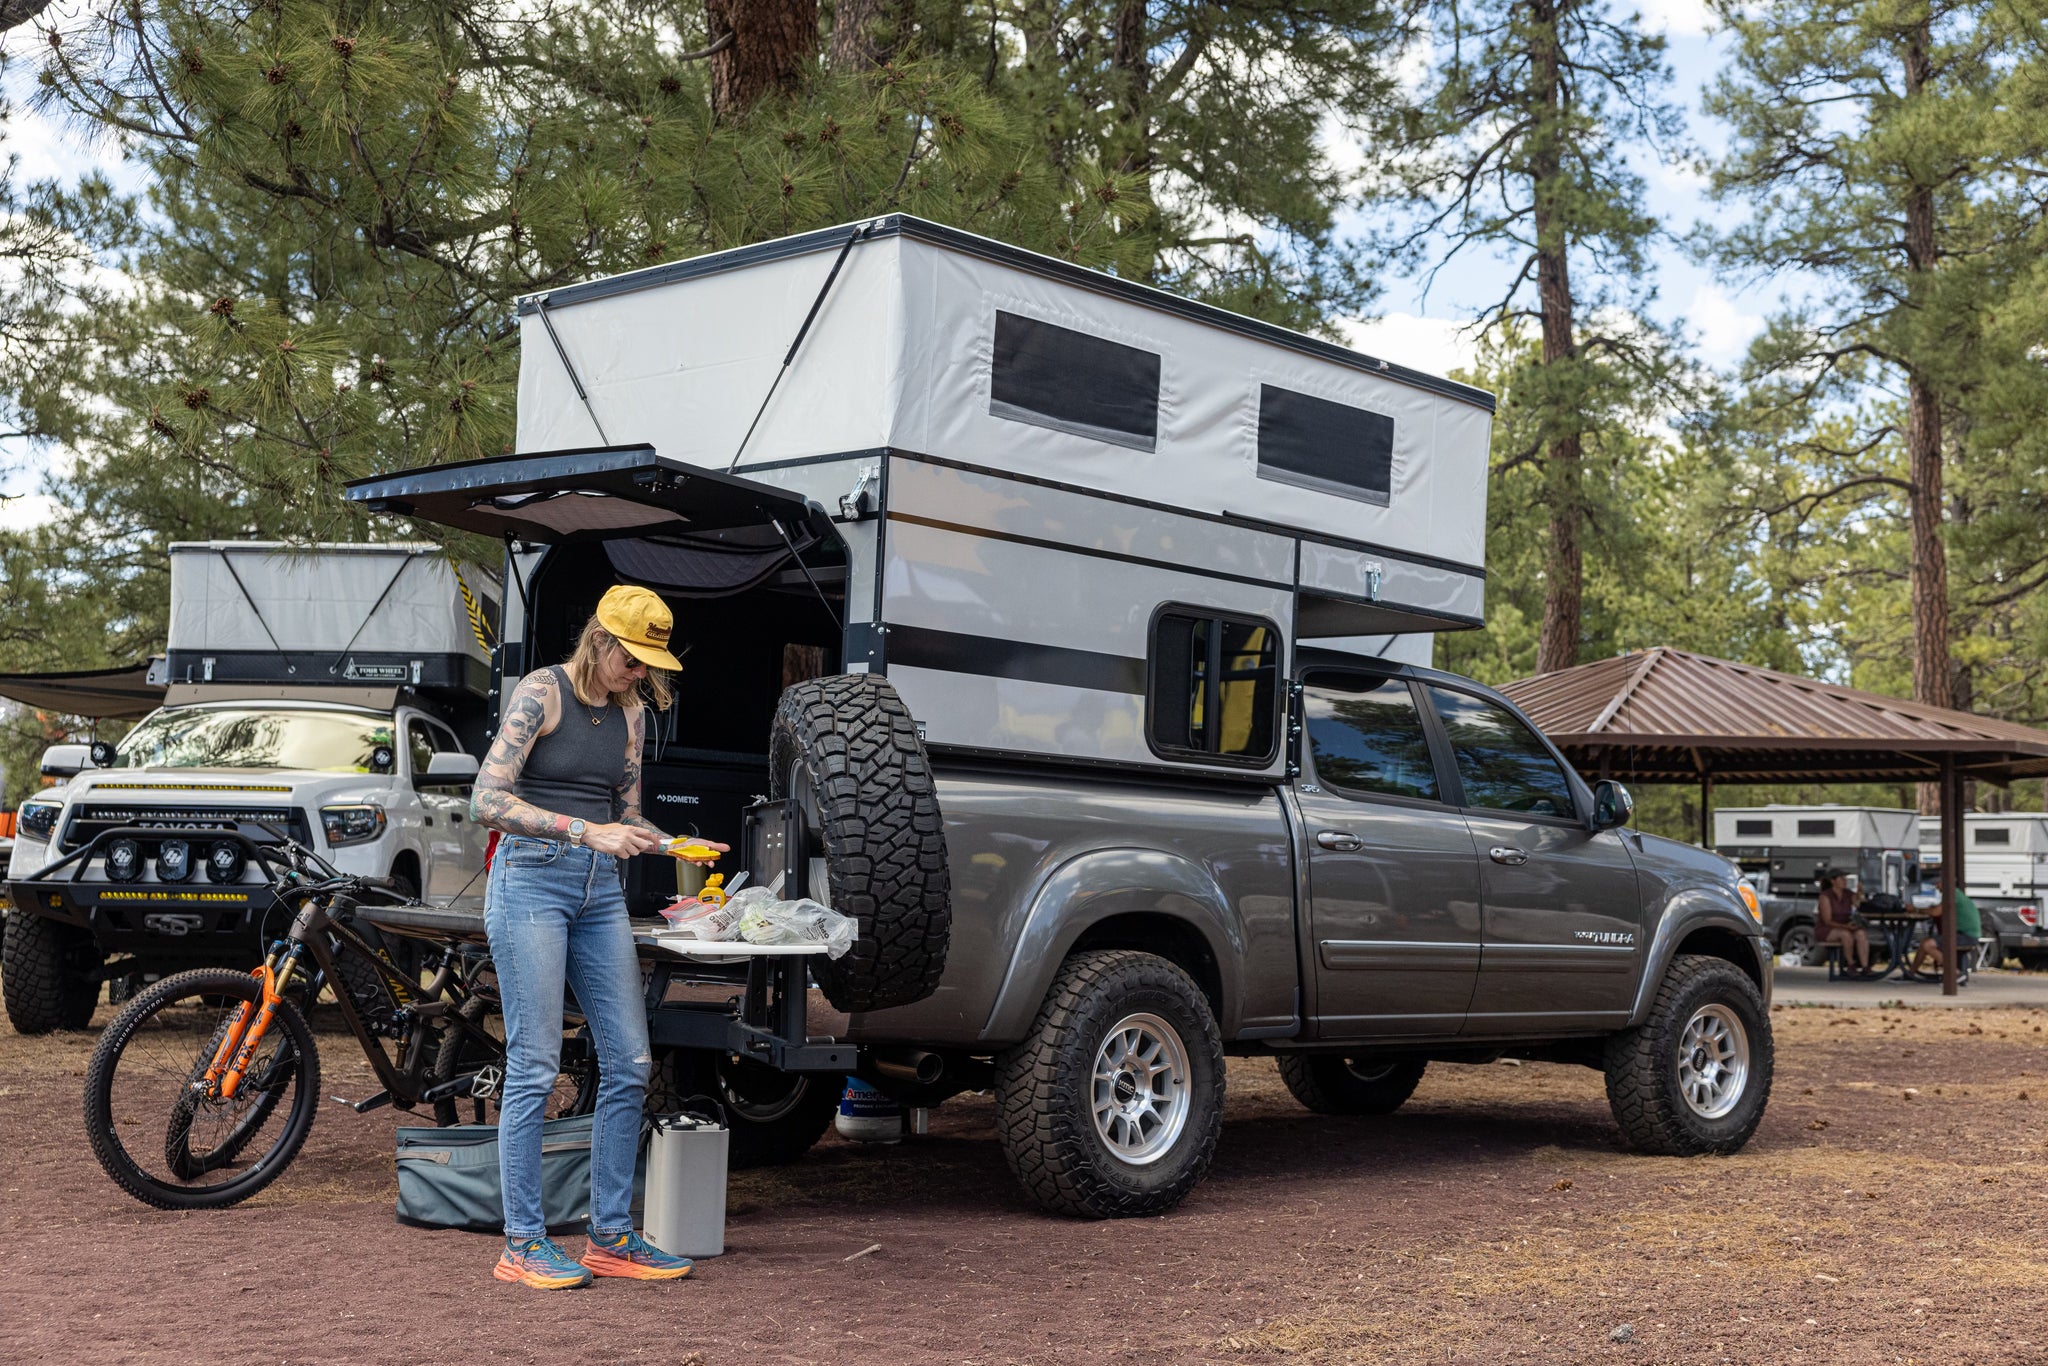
(1342, 840)
(1502, 853)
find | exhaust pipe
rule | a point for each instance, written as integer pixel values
(909, 1064)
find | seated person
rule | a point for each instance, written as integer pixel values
(1969, 928)
(1837, 921)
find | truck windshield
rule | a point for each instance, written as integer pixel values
(234, 737)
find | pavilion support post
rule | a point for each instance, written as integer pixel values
(1706, 810)
(1951, 868)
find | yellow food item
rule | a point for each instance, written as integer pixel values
(714, 891)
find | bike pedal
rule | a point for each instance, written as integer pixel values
(367, 1104)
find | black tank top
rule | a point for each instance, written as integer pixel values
(574, 770)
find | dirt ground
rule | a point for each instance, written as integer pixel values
(1888, 1211)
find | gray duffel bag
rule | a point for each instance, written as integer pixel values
(448, 1178)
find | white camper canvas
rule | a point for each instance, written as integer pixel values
(1817, 827)
(949, 347)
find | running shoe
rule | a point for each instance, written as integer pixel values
(540, 1263)
(632, 1256)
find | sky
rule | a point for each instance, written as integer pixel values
(1430, 333)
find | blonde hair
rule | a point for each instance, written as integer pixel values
(582, 668)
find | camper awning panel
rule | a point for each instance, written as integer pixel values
(103, 694)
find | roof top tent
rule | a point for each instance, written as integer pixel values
(266, 619)
(2006, 854)
(1877, 846)
(1071, 518)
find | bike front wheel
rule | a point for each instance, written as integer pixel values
(155, 1128)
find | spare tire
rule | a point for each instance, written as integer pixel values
(846, 749)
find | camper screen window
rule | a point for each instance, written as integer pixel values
(1817, 829)
(1323, 445)
(1745, 828)
(1992, 835)
(1214, 688)
(1056, 377)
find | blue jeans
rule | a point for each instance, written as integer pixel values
(555, 912)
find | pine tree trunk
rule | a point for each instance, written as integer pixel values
(865, 34)
(773, 45)
(1132, 58)
(1564, 573)
(16, 12)
(1932, 680)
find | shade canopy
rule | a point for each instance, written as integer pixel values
(1665, 715)
(103, 694)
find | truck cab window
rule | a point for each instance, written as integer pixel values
(1365, 736)
(420, 740)
(1214, 682)
(1503, 764)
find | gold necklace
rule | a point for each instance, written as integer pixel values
(597, 716)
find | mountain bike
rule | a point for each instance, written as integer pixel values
(204, 1088)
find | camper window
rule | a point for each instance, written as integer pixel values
(1745, 829)
(1214, 681)
(1071, 382)
(1323, 445)
(1993, 834)
(1817, 829)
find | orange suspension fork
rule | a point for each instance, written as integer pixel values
(245, 1034)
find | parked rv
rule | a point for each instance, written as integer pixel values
(1078, 623)
(2005, 871)
(1783, 850)
(333, 694)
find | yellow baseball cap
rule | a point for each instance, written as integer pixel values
(641, 622)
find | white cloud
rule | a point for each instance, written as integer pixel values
(28, 511)
(1678, 18)
(1723, 328)
(1435, 345)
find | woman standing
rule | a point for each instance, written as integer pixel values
(562, 785)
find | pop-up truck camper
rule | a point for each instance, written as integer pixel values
(1076, 634)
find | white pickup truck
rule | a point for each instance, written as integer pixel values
(132, 867)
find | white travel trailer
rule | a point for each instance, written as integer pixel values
(1782, 851)
(2005, 871)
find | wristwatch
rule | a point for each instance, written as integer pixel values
(576, 829)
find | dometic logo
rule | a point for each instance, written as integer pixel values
(678, 798)
(1605, 936)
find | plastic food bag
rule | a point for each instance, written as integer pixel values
(711, 922)
(766, 920)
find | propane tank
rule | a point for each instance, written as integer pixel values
(867, 1115)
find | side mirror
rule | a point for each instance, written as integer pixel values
(66, 761)
(1612, 805)
(447, 770)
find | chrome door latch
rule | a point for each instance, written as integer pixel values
(1341, 840)
(1514, 858)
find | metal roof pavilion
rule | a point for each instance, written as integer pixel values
(1665, 715)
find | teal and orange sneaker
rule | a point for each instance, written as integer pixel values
(540, 1263)
(634, 1257)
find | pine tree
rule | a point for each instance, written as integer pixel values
(1519, 144)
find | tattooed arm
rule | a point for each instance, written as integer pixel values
(628, 789)
(531, 712)
(629, 782)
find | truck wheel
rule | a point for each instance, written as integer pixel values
(846, 749)
(1695, 1076)
(772, 1118)
(1112, 1105)
(47, 974)
(1797, 939)
(1331, 1084)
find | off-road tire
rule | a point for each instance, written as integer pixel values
(1332, 1084)
(1642, 1064)
(1044, 1089)
(1798, 939)
(847, 749)
(48, 974)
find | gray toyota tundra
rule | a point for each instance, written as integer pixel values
(1083, 629)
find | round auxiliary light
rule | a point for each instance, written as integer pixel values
(173, 861)
(124, 860)
(224, 862)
